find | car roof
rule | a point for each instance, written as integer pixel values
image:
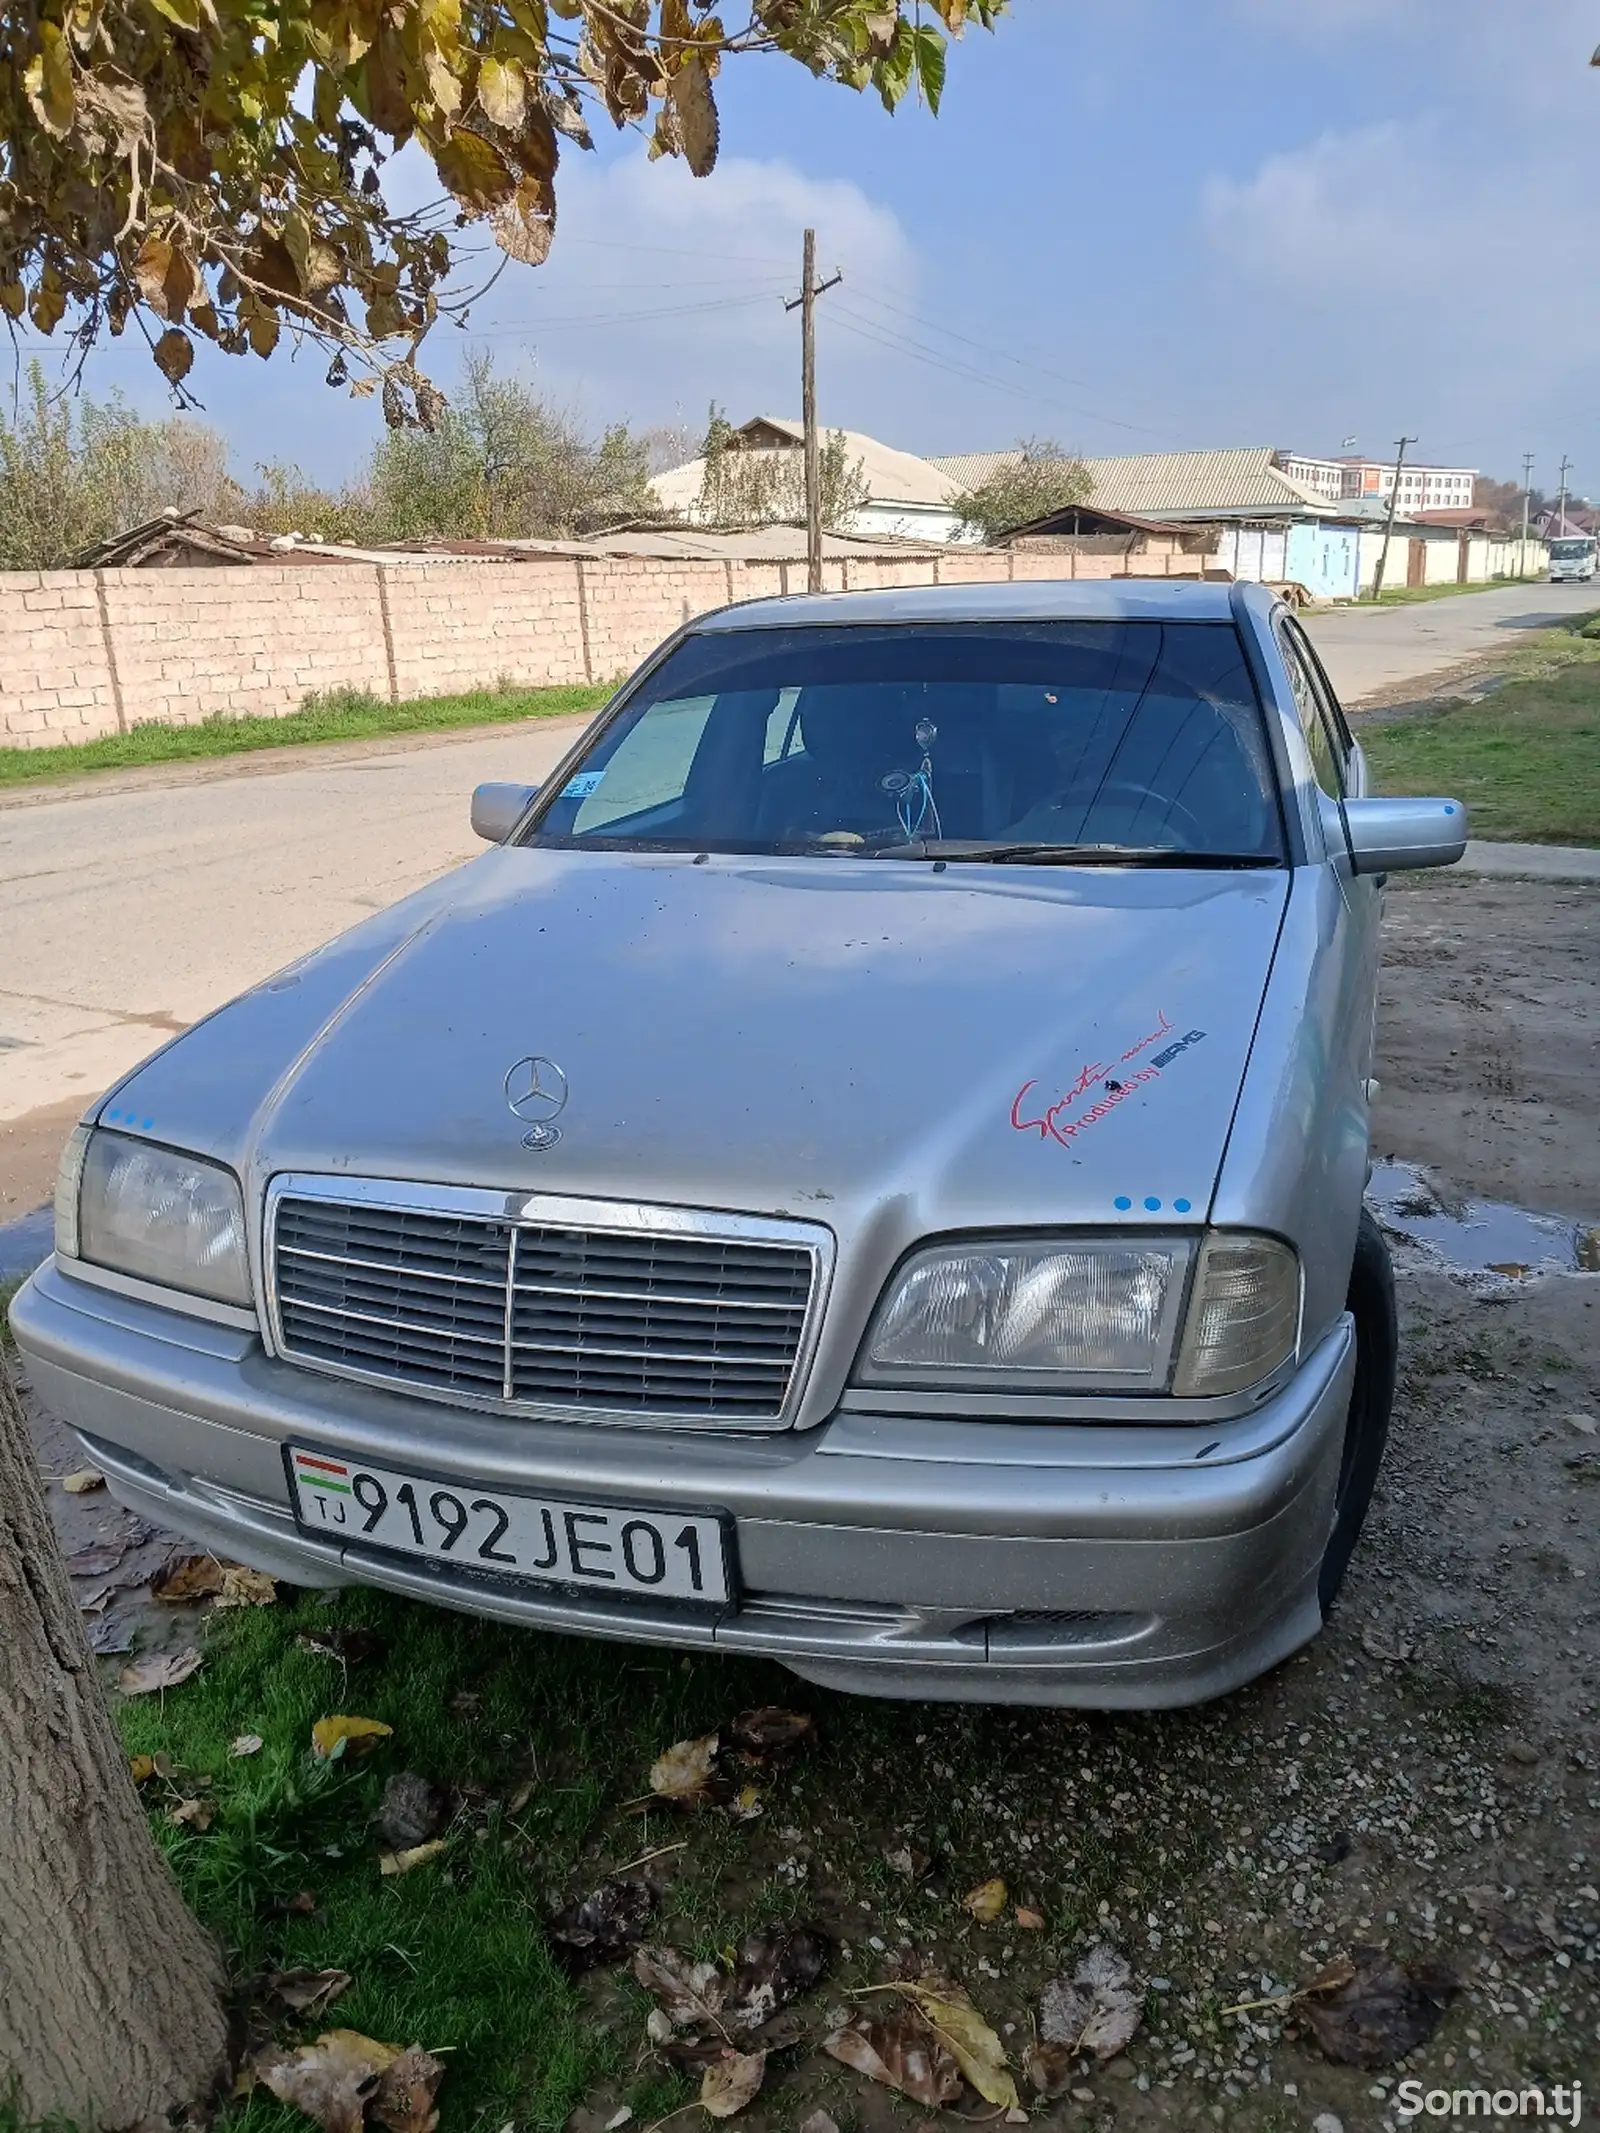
(1042, 600)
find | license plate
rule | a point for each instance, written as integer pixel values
(547, 1540)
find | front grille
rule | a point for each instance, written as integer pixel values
(626, 1321)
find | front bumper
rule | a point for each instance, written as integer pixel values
(1107, 1566)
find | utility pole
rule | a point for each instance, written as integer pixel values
(806, 302)
(1388, 524)
(1527, 498)
(1566, 469)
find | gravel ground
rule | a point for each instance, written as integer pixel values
(1425, 1776)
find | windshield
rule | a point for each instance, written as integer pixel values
(901, 739)
(1570, 551)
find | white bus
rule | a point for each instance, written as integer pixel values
(1572, 558)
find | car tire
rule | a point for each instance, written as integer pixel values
(1371, 1303)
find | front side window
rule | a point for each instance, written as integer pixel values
(1313, 725)
(910, 740)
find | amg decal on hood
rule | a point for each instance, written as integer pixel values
(1051, 1125)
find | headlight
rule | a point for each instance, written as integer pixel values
(1244, 1315)
(1090, 1314)
(147, 1211)
(1097, 1313)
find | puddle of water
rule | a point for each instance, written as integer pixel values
(25, 1243)
(1478, 1236)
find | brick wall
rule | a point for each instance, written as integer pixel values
(85, 653)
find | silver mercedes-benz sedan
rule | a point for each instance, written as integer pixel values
(868, 1171)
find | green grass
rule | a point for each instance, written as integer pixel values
(344, 715)
(1526, 760)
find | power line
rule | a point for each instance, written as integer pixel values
(619, 318)
(1003, 355)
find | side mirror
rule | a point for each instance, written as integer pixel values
(497, 809)
(1388, 836)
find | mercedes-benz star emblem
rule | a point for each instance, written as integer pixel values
(536, 1090)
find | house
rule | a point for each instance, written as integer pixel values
(908, 499)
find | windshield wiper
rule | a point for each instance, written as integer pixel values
(1071, 855)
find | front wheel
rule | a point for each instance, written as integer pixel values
(1371, 1304)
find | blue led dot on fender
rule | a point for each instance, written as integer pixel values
(1182, 1206)
(1152, 1205)
(1122, 1201)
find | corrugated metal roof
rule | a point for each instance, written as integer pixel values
(892, 477)
(1151, 484)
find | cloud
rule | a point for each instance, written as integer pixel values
(664, 291)
(1439, 282)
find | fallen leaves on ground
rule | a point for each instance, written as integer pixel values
(193, 1814)
(706, 1771)
(346, 2081)
(820, 2121)
(246, 1744)
(185, 1578)
(244, 1587)
(1029, 1921)
(770, 1736)
(346, 1736)
(1097, 2010)
(700, 2010)
(412, 1810)
(776, 1964)
(111, 1639)
(95, 1560)
(686, 1771)
(731, 2081)
(907, 1860)
(1368, 2009)
(96, 1603)
(161, 1670)
(351, 1647)
(306, 1991)
(902, 2052)
(602, 1927)
(946, 2007)
(141, 1768)
(986, 1901)
(690, 1995)
(415, 1855)
(85, 1480)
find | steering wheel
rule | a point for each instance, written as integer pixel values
(1184, 819)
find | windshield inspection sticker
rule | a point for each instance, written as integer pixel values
(580, 787)
(1115, 1088)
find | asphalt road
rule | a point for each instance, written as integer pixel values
(134, 906)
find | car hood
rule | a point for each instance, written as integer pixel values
(972, 1047)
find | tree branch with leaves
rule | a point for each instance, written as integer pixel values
(214, 168)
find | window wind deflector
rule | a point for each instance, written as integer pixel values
(1072, 855)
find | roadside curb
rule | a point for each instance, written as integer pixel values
(1531, 862)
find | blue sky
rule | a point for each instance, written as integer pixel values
(1137, 226)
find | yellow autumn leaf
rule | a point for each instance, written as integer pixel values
(986, 1901)
(340, 1735)
(473, 169)
(87, 1477)
(976, 2049)
(142, 1768)
(502, 92)
(414, 1855)
(48, 81)
(686, 1769)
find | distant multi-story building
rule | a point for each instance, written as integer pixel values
(1348, 477)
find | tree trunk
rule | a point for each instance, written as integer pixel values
(110, 1991)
